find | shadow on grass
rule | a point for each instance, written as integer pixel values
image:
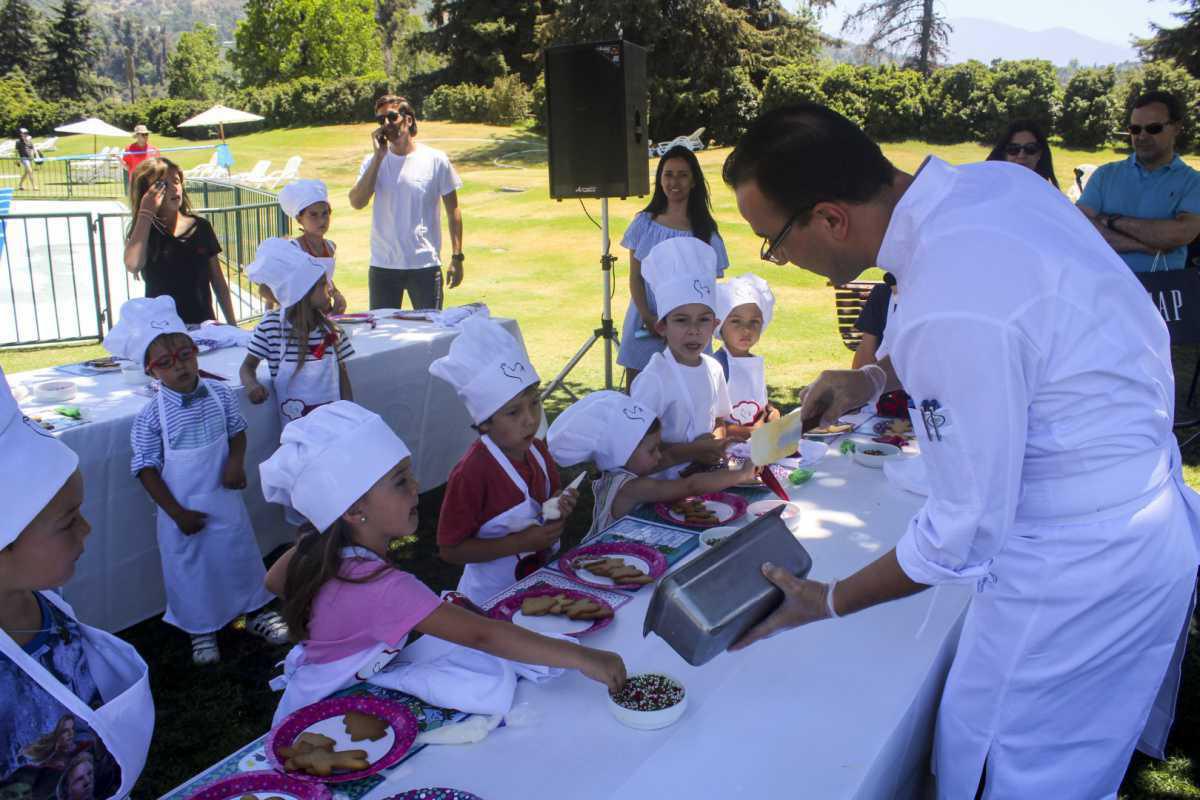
(524, 150)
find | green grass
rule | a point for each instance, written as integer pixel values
(536, 260)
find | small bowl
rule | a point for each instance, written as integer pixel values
(713, 537)
(873, 454)
(54, 391)
(649, 720)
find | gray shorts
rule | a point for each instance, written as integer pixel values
(386, 287)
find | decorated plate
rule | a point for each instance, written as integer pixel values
(264, 784)
(644, 557)
(107, 364)
(510, 609)
(438, 793)
(830, 431)
(326, 718)
(353, 318)
(726, 507)
(766, 506)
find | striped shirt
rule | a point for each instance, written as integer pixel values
(197, 425)
(264, 344)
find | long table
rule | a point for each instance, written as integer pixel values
(118, 580)
(839, 709)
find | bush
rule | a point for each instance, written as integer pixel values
(848, 89)
(508, 100)
(1088, 108)
(1027, 89)
(1165, 76)
(463, 102)
(896, 103)
(537, 103)
(961, 105)
(793, 83)
(316, 101)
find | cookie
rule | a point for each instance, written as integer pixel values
(536, 606)
(364, 726)
(322, 763)
(306, 743)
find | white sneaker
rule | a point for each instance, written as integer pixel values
(204, 649)
(269, 627)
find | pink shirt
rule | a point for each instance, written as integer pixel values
(348, 618)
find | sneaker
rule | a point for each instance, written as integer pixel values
(204, 649)
(269, 627)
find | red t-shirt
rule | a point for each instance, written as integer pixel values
(135, 155)
(479, 489)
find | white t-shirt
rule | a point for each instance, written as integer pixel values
(406, 223)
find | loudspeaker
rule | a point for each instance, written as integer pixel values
(596, 110)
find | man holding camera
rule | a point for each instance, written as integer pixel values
(407, 179)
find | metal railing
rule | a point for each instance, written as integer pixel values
(65, 177)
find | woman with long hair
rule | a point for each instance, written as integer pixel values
(679, 207)
(1024, 143)
(174, 251)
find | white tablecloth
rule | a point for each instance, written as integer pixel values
(118, 580)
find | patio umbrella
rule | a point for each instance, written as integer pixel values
(94, 126)
(219, 116)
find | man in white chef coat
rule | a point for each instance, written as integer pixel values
(1042, 396)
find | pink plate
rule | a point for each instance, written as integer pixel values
(404, 726)
(509, 606)
(235, 786)
(726, 506)
(438, 793)
(656, 561)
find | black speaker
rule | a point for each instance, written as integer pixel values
(596, 110)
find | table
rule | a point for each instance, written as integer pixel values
(118, 580)
(839, 709)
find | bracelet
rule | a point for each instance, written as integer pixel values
(829, 599)
(458, 257)
(1109, 222)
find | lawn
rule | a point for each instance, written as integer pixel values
(536, 260)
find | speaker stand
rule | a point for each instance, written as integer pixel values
(606, 331)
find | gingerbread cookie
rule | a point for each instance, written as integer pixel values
(322, 763)
(364, 726)
(306, 743)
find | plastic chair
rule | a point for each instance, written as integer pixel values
(289, 173)
(253, 176)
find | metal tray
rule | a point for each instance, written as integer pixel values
(706, 605)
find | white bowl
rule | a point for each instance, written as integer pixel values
(761, 507)
(54, 391)
(649, 720)
(711, 537)
(874, 461)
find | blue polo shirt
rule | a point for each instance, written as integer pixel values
(1126, 188)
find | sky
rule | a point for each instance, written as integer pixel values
(1108, 20)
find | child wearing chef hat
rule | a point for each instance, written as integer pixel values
(349, 606)
(307, 202)
(189, 446)
(623, 439)
(745, 306)
(491, 519)
(57, 675)
(684, 384)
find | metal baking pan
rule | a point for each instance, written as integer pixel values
(706, 605)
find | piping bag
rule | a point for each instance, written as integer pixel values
(550, 510)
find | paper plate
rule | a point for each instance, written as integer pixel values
(265, 781)
(727, 507)
(510, 609)
(644, 557)
(764, 506)
(436, 793)
(325, 717)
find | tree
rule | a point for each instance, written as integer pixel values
(1027, 89)
(194, 68)
(485, 39)
(279, 40)
(962, 106)
(908, 26)
(1181, 44)
(20, 25)
(1088, 108)
(70, 52)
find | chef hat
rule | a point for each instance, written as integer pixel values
(142, 320)
(299, 195)
(681, 270)
(289, 272)
(604, 427)
(328, 459)
(742, 290)
(486, 366)
(34, 464)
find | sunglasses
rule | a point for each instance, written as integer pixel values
(181, 355)
(769, 246)
(1154, 128)
(1031, 149)
(390, 116)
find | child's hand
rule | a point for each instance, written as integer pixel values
(567, 502)
(710, 450)
(604, 667)
(540, 537)
(190, 522)
(746, 472)
(234, 475)
(257, 393)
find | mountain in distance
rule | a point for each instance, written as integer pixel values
(984, 40)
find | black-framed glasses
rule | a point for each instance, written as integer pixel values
(1031, 149)
(769, 246)
(390, 116)
(1154, 128)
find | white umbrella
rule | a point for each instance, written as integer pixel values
(94, 126)
(219, 116)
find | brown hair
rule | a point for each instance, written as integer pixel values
(304, 318)
(406, 108)
(147, 174)
(172, 341)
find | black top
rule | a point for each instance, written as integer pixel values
(178, 266)
(873, 317)
(24, 148)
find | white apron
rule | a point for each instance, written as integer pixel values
(439, 672)
(482, 581)
(1072, 644)
(125, 722)
(747, 388)
(213, 576)
(695, 428)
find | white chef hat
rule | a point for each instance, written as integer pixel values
(34, 464)
(142, 320)
(329, 459)
(742, 290)
(299, 195)
(679, 271)
(289, 272)
(486, 366)
(604, 427)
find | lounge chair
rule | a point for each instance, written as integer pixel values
(289, 173)
(208, 169)
(254, 176)
(47, 145)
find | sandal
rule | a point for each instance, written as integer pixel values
(204, 649)
(270, 627)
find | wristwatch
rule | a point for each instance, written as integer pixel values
(1109, 222)
(458, 257)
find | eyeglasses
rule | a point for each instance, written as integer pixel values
(1154, 128)
(181, 355)
(769, 246)
(390, 116)
(1031, 149)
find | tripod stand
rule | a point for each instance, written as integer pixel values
(606, 331)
